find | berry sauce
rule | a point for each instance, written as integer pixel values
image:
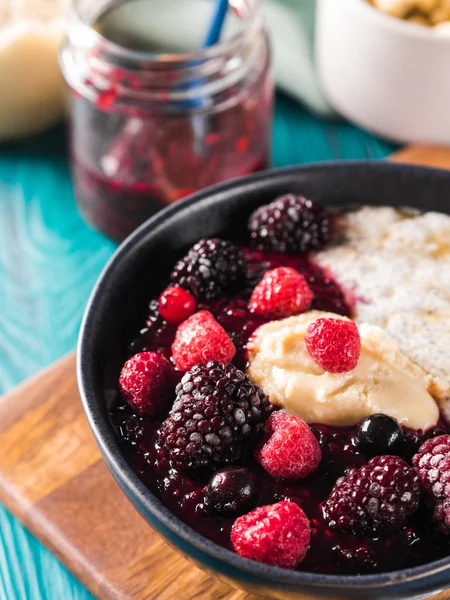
(118, 206)
(148, 131)
(331, 551)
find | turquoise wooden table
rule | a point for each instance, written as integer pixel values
(49, 261)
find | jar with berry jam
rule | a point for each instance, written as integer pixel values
(153, 117)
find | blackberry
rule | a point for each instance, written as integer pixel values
(131, 431)
(441, 516)
(290, 224)
(129, 426)
(211, 268)
(154, 319)
(218, 413)
(374, 499)
(354, 553)
(432, 463)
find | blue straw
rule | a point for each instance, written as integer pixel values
(212, 37)
(215, 29)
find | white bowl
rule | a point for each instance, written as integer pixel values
(385, 74)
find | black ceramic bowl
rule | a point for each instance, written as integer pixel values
(118, 304)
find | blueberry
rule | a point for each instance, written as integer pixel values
(232, 490)
(378, 435)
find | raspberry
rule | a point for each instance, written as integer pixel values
(218, 413)
(232, 490)
(281, 293)
(176, 304)
(334, 344)
(374, 499)
(146, 383)
(290, 224)
(278, 534)
(201, 339)
(292, 451)
(432, 463)
(211, 268)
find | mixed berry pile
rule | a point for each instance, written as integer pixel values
(209, 443)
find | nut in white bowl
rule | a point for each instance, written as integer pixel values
(385, 74)
(402, 8)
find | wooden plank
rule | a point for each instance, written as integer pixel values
(431, 156)
(53, 478)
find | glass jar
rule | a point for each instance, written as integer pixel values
(148, 128)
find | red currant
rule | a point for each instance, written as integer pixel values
(176, 304)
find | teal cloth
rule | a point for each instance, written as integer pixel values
(291, 28)
(49, 260)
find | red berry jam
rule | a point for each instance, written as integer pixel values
(191, 499)
(154, 121)
(117, 206)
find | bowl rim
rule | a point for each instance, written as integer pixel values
(128, 480)
(400, 25)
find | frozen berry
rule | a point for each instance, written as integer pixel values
(146, 383)
(130, 428)
(232, 490)
(278, 534)
(290, 224)
(176, 304)
(153, 318)
(281, 293)
(432, 463)
(441, 516)
(211, 268)
(410, 535)
(375, 499)
(432, 433)
(217, 415)
(378, 435)
(335, 344)
(292, 451)
(200, 339)
(354, 554)
(412, 442)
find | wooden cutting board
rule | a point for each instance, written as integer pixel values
(53, 479)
